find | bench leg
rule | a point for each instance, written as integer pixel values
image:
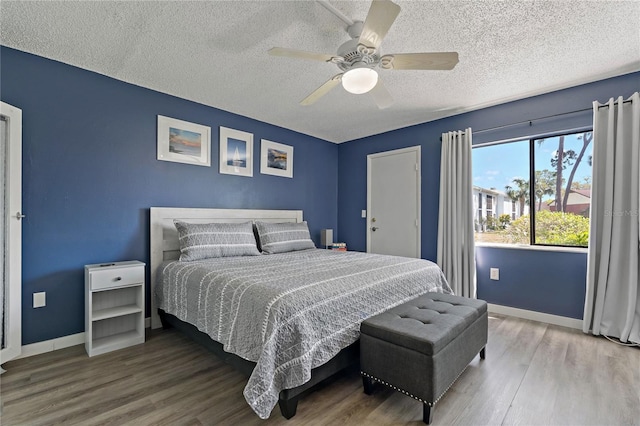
(483, 353)
(367, 384)
(426, 413)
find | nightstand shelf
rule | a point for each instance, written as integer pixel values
(117, 341)
(114, 300)
(115, 312)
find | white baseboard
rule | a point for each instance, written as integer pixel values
(59, 343)
(535, 316)
(51, 345)
(78, 339)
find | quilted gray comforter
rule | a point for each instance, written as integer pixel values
(290, 312)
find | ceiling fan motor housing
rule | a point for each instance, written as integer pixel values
(355, 53)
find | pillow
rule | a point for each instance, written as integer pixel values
(284, 237)
(207, 240)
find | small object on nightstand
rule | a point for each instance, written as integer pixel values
(114, 306)
(338, 247)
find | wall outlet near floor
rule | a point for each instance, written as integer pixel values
(494, 274)
(39, 299)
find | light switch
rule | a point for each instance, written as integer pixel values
(364, 213)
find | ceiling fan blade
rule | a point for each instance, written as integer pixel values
(381, 95)
(301, 54)
(381, 16)
(322, 90)
(420, 61)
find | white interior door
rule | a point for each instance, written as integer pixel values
(11, 206)
(393, 202)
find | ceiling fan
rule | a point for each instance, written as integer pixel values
(358, 57)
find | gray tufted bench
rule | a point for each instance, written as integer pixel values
(422, 346)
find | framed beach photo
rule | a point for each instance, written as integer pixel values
(183, 142)
(236, 152)
(276, 159)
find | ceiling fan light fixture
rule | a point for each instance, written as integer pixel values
(359, 80)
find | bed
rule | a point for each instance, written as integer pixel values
(288, 320)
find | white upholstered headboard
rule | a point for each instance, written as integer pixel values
(164, 236)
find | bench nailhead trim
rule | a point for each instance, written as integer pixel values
(396, 388)
(430, 404)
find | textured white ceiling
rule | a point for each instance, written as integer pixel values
(215, 53)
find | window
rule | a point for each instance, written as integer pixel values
(552, 211)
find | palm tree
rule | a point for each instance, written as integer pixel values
(519, 194)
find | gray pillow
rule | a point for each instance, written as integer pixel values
(207, 240)
(284, 237)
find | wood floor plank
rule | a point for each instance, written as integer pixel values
(573, 379)
(533, 374)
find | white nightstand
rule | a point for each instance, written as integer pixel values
(114, 306)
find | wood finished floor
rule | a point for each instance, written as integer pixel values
(534, 374)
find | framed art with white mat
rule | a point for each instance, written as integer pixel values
(276, 159)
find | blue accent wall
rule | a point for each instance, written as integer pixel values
(90, 174)
(564, 289)
(544, 281)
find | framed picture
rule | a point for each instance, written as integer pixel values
(276, 159)
(183, 142)
(236, 152)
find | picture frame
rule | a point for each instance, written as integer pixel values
(236, 152)
(276, 159)
(183, 142)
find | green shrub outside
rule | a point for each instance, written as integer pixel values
(555, 228)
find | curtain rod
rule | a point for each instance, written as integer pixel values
(504, 126)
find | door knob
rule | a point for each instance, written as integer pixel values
(20, 216)
(374, 228)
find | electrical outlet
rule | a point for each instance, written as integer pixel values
(39, 299)
(494, 274)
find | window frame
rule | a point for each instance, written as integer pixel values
(532, 187)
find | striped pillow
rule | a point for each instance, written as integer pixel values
(284, 237)
(207, 240)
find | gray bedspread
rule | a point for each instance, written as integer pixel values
(290, 312)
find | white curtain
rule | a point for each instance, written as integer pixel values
(612, 303)
(455, 217)
(3, 150)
